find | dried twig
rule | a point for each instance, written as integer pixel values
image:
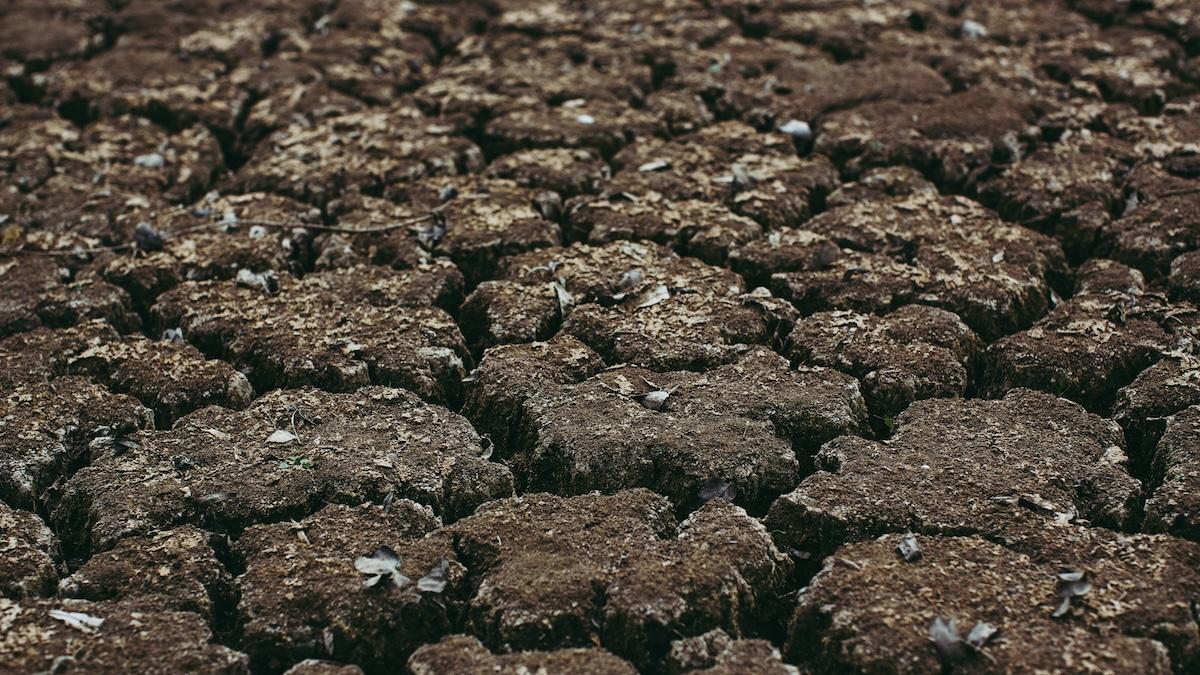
(1174, 193)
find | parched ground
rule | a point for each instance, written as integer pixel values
(599, 336)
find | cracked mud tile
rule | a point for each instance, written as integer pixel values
(110, 637)
(465, 654)
(337, 330)
(209, 240)
(170, 378)
(1173, 505)
(615, 571)
(327, 610)
(170, 571)
(1066, 189)
(916, 352)
(737, 428)
(954, 138)
(1089, 347)
(869, 608)
(366, 152)
(28, 555)
(50, 428)
(290, 451)
(38, 292)
(953, 466)
(632, 302)
(878, 254)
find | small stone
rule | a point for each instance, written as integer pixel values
(147, 238)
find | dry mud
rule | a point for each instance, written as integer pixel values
(661, 336)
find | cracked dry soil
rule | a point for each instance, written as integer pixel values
(599, 336)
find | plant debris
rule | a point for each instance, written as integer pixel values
(951, 647)
(430, 235)
(653, 296)
(798, 130)
(630, 280)
(77, 620)
(282, 436)
(656, 398)
(717, 488)
(799, 555)
(565, 300)
(435, 580)
(268, 281)
(742, 180)
(296, 462)
(1072, 584)
(949, 644)
(909, 549)
(382, 567)
(973, 29)
(654, 165)
(151, 160)
(981, 634)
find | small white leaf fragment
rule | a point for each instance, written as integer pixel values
(566, 301)
(973, 29)
(435, 580)
(217, 434)
(980, 634)
(281, 436)
(945, 638)
(150, 161)
(909, 549)
(653, 296)
(77, 620)
(655, 399)
(382, 565)
(797, 129)
(654, 165)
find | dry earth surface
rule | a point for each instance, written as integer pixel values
(599, 336)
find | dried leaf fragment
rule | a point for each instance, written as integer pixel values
(653, 296)
(717, 488)
(909, 549)
(980, 634)
(435, 580)
(381, 566)
(946, 640)
(267, 281)
(77, 620)
(1072, 584)
(281, 436)
(655, 400)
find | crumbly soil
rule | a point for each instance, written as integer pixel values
(659, 336)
